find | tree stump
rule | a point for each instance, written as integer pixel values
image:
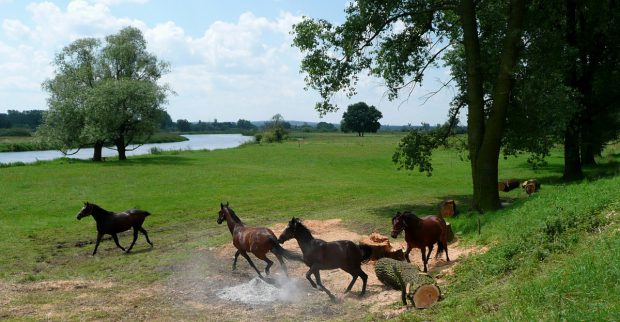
(447, 208)
(381, 247)
(420, 289)
(507, 185)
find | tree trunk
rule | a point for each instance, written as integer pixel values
(97, 149)
(419, 289)
(484, 136)
(572, 160)
(120, 147)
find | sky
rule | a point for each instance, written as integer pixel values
(229, 59)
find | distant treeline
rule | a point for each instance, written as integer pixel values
(245, 126)
(16, 119)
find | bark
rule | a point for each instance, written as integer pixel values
(420, 289)
(120, 147)
(97, 151)
(572, 160)
(485, 135)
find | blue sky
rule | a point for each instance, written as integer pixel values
(230, 59)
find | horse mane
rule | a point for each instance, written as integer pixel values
(408, 216)
(234, 215)
(304, 229)
(100, 210)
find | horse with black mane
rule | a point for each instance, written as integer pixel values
(256, 240)
(321, 255)
(109, 222)
(421, 233)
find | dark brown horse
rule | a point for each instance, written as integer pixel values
(421, 233)
(112, 223)
(256, 240)
(321, 255)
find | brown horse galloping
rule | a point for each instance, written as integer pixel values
(256, 240)
(112, 223)
(421, 233)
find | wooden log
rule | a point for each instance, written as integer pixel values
(418, 288)
(381, 247)
(447, 208)
(507, 185)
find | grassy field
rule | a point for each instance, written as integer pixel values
(552, 256)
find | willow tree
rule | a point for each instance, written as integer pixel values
(397, 40)
(105, 93)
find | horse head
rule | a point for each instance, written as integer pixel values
(289, 231)
(87, 210)
(222, 213)
(398, 224)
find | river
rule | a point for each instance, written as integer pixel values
(196, 142)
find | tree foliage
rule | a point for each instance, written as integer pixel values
(361, 118)
(398, 40)
(105, 93)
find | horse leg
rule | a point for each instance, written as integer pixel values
(99, 236)
(267, 260)
(430, 250)
(364, 277)
(351, 284)
(135, 237)
(282, 264)
(317, 276)
(445, 248)
(235, 260)
(407, 253)
(116, 242)
(423, 250)
(245, 255)
(310, 278)
(143, 231)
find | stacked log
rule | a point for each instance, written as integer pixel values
(381, 247)
(417, 288)
(447, 208)
(450, 236)
(507, 185)
(530, 186)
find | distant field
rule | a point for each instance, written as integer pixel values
(315, 176)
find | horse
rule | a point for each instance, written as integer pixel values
(256, 240)
(112, 223)
(421, 233)
(321, 255)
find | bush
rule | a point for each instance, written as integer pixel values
(15, 132)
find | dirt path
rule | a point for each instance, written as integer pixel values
(196, 290)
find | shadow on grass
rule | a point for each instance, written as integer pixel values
(463, 203)
(155, 160)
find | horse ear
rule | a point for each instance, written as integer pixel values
(226, 203)
(221, 205)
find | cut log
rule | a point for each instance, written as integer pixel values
(447, 208)
(507, 185)
(381, 247)
(420, 289)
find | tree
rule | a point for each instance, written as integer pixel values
(245, 124)
(110, 93)
(398, 40)
(361, 118)
(326, 127)
(184, 125)
(275, 130)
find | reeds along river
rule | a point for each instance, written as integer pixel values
(195, 142)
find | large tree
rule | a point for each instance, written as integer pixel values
(398, 39)
(361, 118)
(105, 93)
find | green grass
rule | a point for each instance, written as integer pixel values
(535, 244)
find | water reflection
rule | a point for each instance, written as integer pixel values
(195, 142)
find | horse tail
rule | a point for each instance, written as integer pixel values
(279, 250)
(366, 252)
(440, 247)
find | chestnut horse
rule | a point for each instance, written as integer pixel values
(421, 233)
(256, 240)
(112, 223)
(321, 255)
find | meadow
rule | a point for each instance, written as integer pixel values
(551, 256)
